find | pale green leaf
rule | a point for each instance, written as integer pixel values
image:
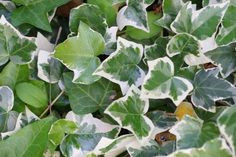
(129, 112)
(35, 13)
(208, 88)
(160, 82)
(227, 126)
(31, 140)
(14, 45)
(191, 132)
(79, 54)
(121, 66)
(212, 148)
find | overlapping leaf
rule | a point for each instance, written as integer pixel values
(80, 54)
(122, 67)
(160, 82)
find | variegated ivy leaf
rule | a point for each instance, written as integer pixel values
(192, 132)
(89, 98)
(208, 88)
(110, 39)
(129, 112)
(95, 19)
(122, 67)
(6, 104)
(210, 2)
(35, 13)
(79, 54)
(59, 129)
(212, 148)
(227, 126)
(49, 69)
(14, 45)
(160, 82)
(90, 132)
(170, 11)
(225, 58)
(227, 31)
(157, 50)
(202, 23)
(183, 44)
(134, 14)
(113, 147)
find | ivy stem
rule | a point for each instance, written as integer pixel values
(51, 104)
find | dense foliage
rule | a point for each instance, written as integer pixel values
(137, 78)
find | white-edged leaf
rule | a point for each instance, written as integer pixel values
(160, 82)
(129, 112)
(110, 39)
(121, 66)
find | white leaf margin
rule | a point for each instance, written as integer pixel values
(145, 109)
(123, 85)
(156, 93)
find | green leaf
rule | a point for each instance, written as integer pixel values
(227, 127)
(107, 8)
(110, 39)
(183, 44)
(225, 58)
(138, 34)
(59, 129)
(89, 98)
(90, 14)
(215, 147)
(32, 95)
(208, 88)
(32, 139)
(157, 50)
(227, 31)
(49, 69)
(192, 132)
(129, 112)
(121, 66)
(14, 45)
(160, 82)
(134, 14)
(79, 54)
(35, 13)
(202, 23)
(113, 147)
(170, 11)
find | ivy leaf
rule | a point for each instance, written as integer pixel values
(227, 127)
(134, 14)
(129, 112)
(59, 129)
(170, 10)
(14, 46)
(225, 58)
(160, 82)
(192, 132)
(79, 54)
(94, 19)
(121, 66)
(208, 88)
(89, 98)
(49, 69)
(215, 147)
(202, 23)
(32, 139)
(110, 39)
(142, 35)
(185, 108)
(227, 31)
(183, 44)
(35, 13)
(32, 95)
(113, 147)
